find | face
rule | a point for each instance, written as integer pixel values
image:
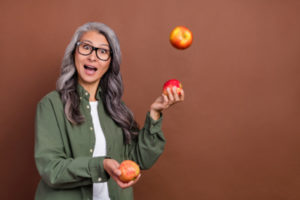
(90, 68)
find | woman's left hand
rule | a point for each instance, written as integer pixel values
(165, 101)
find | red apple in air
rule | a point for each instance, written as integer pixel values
(181, 37)
(170, 84)
(129, 170)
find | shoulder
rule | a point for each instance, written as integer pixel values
(52, 97)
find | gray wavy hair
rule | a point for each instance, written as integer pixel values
(111, 83)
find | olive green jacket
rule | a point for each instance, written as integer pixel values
(63, 152)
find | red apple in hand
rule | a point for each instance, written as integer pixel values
(129, 170)
(181, 37)
(170, 84)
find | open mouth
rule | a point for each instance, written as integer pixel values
(88, 67)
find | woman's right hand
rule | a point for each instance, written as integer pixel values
(111, 166)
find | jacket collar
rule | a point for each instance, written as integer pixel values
(84, 94)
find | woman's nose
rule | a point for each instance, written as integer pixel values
(92, 56)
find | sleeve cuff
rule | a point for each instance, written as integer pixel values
(154, 126)
(98, 174)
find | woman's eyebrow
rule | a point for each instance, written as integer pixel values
(87, 41)
(93, 43)
(104, 45)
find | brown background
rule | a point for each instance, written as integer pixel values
(237, 134)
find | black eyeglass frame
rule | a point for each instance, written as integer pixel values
(93, 49)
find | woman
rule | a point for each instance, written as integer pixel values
(84, 130)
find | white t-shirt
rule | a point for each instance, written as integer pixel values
(100, 190)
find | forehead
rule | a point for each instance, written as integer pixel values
(95, 38)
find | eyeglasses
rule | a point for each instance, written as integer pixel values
(86, 49)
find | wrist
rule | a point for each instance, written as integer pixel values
(105, 160)
(154, 114)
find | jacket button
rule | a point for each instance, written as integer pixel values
(91, 128)
(91, 150)
(99, 179)
(88, 107)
